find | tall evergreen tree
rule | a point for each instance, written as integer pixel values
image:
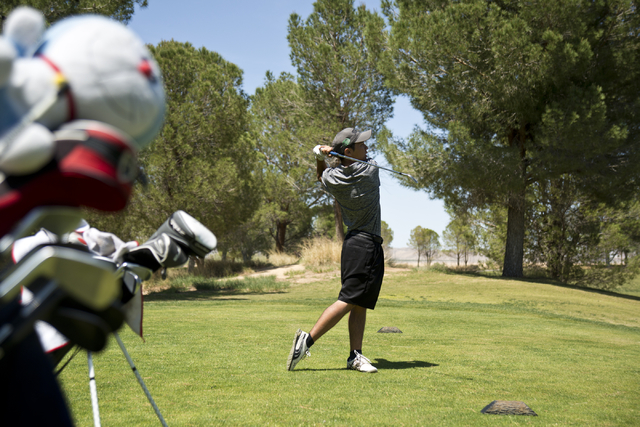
(285, 131)
(336, 69)
(202, 161)
(55, 10)
(527, 91)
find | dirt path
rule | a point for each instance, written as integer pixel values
(300, 274)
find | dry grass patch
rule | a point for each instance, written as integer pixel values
(321, 252)
(279, 259)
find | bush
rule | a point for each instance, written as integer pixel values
(439, 267)
(248, 284)
(321, 251)
(536, 271)
(606, 277)
(471, 268)
(218, 268)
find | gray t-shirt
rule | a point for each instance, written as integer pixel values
(357, 189)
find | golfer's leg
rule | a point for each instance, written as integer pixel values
(357, 320)
(329, 318)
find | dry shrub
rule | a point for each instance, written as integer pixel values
(321, 251)
(278, 259)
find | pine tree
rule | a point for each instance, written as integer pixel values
(285, 131)
(55, 10)
(527, 91)
(202, 161)
(336, 70)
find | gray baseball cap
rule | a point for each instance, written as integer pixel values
(347, 137)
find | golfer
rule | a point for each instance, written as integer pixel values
(356, 187)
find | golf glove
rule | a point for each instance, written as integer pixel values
(319, 154)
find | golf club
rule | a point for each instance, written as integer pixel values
(333, 153)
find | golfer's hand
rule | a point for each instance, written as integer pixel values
(321, 151)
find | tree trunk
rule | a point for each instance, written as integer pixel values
(281, 231)
(514, 249)
(192, 264)
(338, 217)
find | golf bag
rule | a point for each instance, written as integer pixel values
(72, 289)
(78, 292)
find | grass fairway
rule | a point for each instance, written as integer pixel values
(219, 359)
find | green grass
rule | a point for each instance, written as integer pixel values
(218, 358)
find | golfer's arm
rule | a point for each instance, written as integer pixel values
(321, 165)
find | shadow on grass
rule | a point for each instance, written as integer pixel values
(388, 364)
(577, 288)
(319, 370)
(382, 364)
(220, 295)
(550, 282)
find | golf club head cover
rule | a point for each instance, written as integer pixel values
(194, 238)
(159, 251)
(93, 166)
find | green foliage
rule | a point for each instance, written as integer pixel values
(324, 222)
(285, 132)
(202, 161)
(578, 240)
(425, 241)
(489, 230)
(335, 53)
(336, 63)
(561, 233)
(387, 235)
(526, 91)
(55, 10)
(459, 238)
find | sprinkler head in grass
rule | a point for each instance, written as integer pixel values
(389, 330)
(507, 407)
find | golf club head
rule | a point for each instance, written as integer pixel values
(159, 251)
(128, 268)
(56, 219)
(194, 238)
(85, 278)
(84, 328)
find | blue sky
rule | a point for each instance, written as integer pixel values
(253, 35)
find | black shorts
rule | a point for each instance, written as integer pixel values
(362, 269)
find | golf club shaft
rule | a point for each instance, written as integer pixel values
(94, 391)
(140, 380)
(333, 153)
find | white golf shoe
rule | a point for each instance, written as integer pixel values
(362, 364)
(299, 349)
